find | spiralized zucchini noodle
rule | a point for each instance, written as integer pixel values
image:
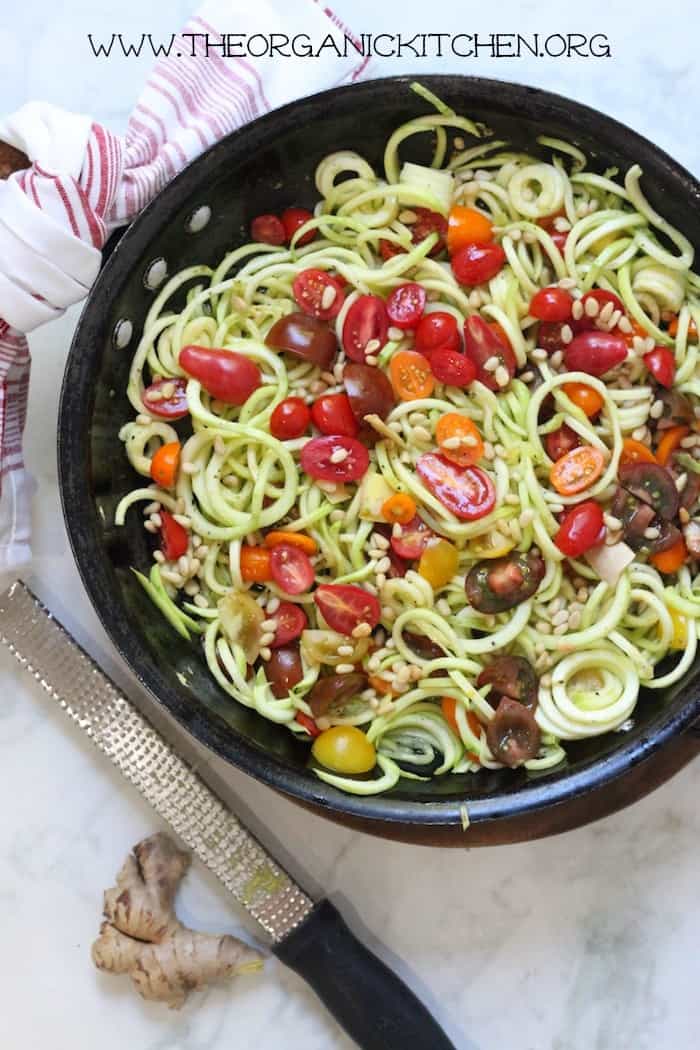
(431, 693)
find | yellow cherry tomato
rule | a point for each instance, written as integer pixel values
(679, 638)
(344, 749)
(438, 563)
(493, 544)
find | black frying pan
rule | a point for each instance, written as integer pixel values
(264, 167)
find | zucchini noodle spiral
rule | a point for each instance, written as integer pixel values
(593, 635)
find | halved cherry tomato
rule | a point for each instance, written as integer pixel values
(268, 229)
(380, 685)
(369, 391)
(662, 365)
(577, 470)
(307, 337)
(292, 220)
(669, 443)
(560, 441)
(439, 563)
(399, 508)
(452, 368)
(595, 352)
(449, 709)
(255, 564)
(332, 414)
(290, 419)
(291, 621)
(454, 426)
(344, 607)
(411, 375)
(478, 263)
(225, 374)
(636, 452)
(602, 298)
(671, 560)
(297, 539)
(580, 529)
(318, 294)
(468, 492)
(406, 304)
(551, 304)
(428, 222)
(172, 407)
(366, 323)
(173, 537)
(165, 464)
(500, 332)
(308, 724)
(415, 537)
(584, 397)
(467, 226)
(547, 222)
(389, 249)
(316, 458)
(291, 568)
(692, 329)
(549, 336)
(481, 344)
(435, 330)
(513, 735)
(284, 670)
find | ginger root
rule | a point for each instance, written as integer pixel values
(144, 938)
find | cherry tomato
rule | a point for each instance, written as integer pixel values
(551, 304)
(318, 294)
(439, 563)
(308, 724)
(369, 391)
(478, 263)
(284, 670)
(268, 229)
(399, 509)
(438, 329)
(428, 222)
(291, 621)
(406, 304)
(344, 606)
(165, 464)
(345, 750)
(332, 414)
(316, 459)
(602, 298)
(307, 337)
(292, 220)
(255, 564)
(580, 529)
(547, 222)
(653, 485)
(662, 365)
(480, 344)
(173, 537)
(511, 676)
(226, 375)
(290, 419)
(560, 441)
(297, 539)
(411, 375)
(496, 585)
(584, 397)
(577, 470)
(389, 250)
(173, 406)
(549, 336)
(671, 560)
(366, 323)
(291, 568)
(595, 352)
(513, 734)
(636, 452)
(452, 368)
(328, 694)
(467, 226)
(692, 333)
(470, 448)
(468, 492)
(415, 537)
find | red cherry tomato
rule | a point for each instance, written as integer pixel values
(482, 343)
(310, 290)
(316, 459)
(406, 304)
(291, 621)
(366, 322)
(290, 419)
(560, 239)
(437, 329)
(551, 304)
(332, 414)
(415, 537)
(173, 407)
(428, 222)
(662, 365)
(466, 491)
(173, 537)
(561, 441)
(389, 250)
(547, 223)
(308, 724)
(345, 607)
(549, 336)
(226, 375)
(268, 229)
(580, 529)
(452, 368)
(602, 298)
(292, 220)
(478, 263)
(595, 352)
(291, 568)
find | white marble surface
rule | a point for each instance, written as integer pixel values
(584, 941)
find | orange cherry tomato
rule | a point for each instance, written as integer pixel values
(584, 397)
(467, 226)
(459, 439)
(255, 564)
(671, 560)
(636, 452)
(638, 331)
(399, 509)
(380, 685)
(692, 329)
(296, 539)
(165, 464)
(411, 375)
(449, 713)
(577, 470)
(669, 443)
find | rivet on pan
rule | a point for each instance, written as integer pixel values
(155, 274)
(123, 331)
(198, 219)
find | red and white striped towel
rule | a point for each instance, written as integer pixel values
(85, 181)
